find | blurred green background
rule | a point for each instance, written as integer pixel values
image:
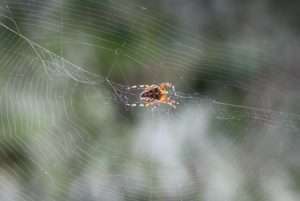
(67, 134)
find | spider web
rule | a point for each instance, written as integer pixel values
(67, 134)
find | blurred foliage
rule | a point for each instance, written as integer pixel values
(66, 133)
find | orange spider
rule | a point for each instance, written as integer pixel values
(153, 95)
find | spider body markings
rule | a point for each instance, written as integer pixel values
(154, 95)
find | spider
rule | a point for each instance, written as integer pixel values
(155, 94)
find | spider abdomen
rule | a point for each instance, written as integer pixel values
(152, 93)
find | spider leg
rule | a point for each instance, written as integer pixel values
(145, 102)
(142, 86)
(136, 105)
(171, 103)
(165, 85)
(167, 100)
(151, 102)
